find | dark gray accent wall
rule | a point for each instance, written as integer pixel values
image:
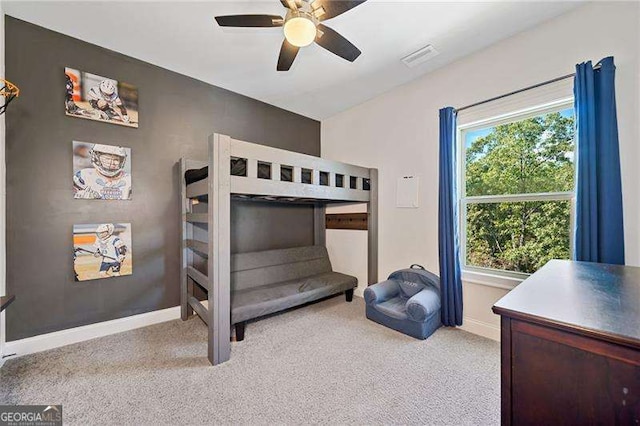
(177, 115)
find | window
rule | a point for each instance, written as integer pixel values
(517, 190)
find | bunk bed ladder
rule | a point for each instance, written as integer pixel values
(186, 288)
(217, 312)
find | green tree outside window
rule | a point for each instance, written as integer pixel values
(530, 156)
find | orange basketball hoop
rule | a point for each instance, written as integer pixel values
(9, 92)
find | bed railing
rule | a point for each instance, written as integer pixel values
(289, 176)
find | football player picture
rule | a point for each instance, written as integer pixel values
(104, 98)
(111, 249)
(109, 175)
(69, 103)
(102, 251)
(100, 98)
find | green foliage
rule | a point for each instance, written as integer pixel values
(528, 156)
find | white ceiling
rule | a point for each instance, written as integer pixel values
(183, 37)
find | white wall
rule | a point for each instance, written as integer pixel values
(397, 132)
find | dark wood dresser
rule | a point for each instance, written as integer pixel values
(571, 346)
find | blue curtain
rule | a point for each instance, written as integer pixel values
(599, 235)
(449, 249)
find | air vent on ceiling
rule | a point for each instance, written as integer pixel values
(420, 56)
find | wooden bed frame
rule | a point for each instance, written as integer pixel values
(220, 187)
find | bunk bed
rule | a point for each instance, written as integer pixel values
(241, 170)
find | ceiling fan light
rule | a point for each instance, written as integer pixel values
(300, 31)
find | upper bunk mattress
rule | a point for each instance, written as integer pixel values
(194, 175)
(238, 168)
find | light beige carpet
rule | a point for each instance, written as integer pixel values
(324, 363)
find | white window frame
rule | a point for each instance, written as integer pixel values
(489, 276)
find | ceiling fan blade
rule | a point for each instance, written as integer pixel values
(288, 53)
(335, 43)
(289, 4)
(250, 21)
(333, 8)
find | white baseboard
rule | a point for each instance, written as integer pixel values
(481, 328)
(57, 339)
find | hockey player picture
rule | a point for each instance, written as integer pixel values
(102, 251)
(100, 98)
(108, 177)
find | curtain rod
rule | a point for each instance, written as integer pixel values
(515, 92)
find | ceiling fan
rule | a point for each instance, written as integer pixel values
(302, 26)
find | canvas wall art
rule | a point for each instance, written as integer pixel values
(101, 172)
(102, 251)
(100, 98)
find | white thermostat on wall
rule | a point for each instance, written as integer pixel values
(407, 192)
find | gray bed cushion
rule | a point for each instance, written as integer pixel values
(257, 269)
(260, 259)
(259, 301)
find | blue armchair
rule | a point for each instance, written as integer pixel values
(408, 301)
